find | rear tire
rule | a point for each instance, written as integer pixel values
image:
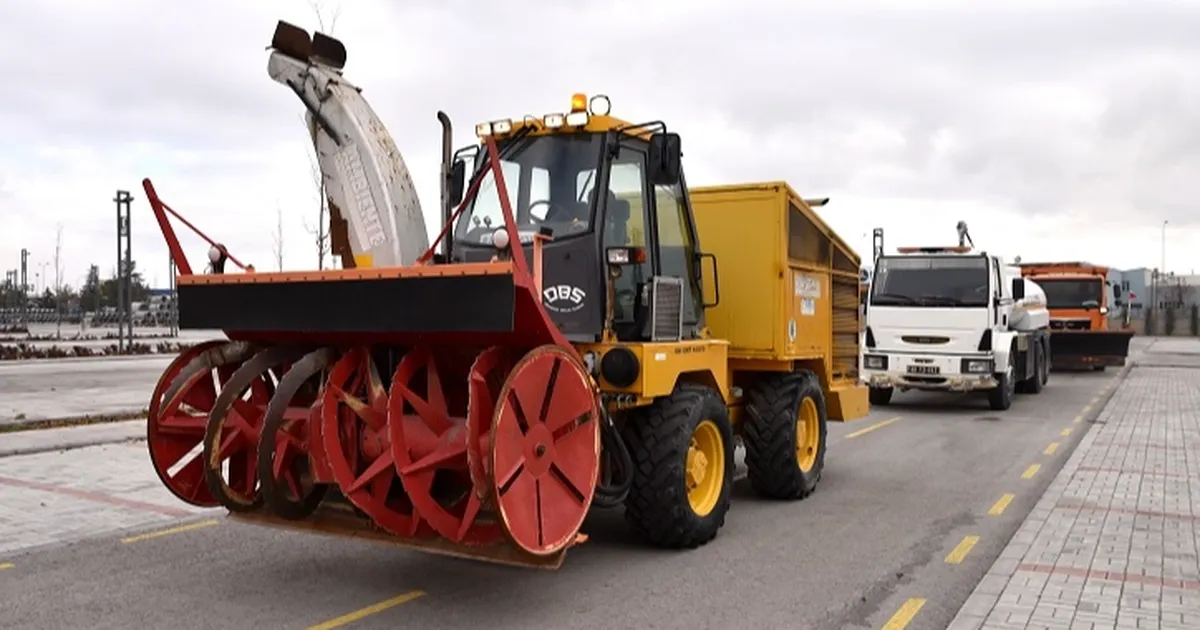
(880, 396)
(658, 506)
(1035, 383)
(785, 435)
(1000, 398)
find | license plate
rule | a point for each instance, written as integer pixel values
(924, 369)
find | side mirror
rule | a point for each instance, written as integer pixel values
(458, 176)
(664, 160)
(1116, 291)
(1018, 289)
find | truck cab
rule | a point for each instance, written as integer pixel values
(952, 319)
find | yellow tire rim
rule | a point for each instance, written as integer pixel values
(705, 468)
(808, 435)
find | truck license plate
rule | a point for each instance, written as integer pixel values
(924, 369)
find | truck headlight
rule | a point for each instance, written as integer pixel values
(875, 362)
(977, 366)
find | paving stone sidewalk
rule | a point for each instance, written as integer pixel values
(1113, 541)
(65, 496)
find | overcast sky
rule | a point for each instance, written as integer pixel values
(1057, 130)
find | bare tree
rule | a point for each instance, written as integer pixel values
(278, 237)
(320, 233)
(58, 280)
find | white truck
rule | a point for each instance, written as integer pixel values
(957, 320)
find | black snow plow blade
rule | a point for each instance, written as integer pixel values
(1089, 349)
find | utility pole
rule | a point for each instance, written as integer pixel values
(172, 313)
(25, 287)
(124, 271)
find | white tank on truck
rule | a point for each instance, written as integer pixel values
(1030, 313)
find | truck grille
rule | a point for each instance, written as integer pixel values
(666, 310)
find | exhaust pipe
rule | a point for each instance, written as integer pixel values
(447, 157)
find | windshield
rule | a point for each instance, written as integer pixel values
(1070, 293)
(930, 281)
(547, 185)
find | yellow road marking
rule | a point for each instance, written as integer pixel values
(877, 425)
(901, 619)
(998, 506)
(1094, 401)
(368, 611)
(1031, 471)
(6, 565)
(960, 552)
(1078, 419)
(1086, 409)
(1066, 432)
(1050, 449)
(168, 532)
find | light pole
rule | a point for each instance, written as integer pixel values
(1164, 247)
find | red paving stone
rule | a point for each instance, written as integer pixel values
(1116, 576)
(97, 497)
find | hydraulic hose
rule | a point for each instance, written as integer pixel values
(615, 464)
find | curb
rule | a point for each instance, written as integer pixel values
(48, 448)
(41, 424)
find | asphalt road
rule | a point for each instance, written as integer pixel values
(63, 388)
(897, 498)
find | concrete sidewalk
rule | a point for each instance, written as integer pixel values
(1113, 541)
(67, 438)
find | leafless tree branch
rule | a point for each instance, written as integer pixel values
(58, 279)
(277, 237)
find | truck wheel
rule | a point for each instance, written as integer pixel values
(682, 451)
(785, 435)
(1033, 384)
(880, 396)
(1001, 397)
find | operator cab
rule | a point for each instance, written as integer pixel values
(611, 197)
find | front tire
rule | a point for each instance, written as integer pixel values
(682, 450)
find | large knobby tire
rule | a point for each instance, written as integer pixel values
(880, 396)
(1000, 398)
(660, 506)
(785, 435)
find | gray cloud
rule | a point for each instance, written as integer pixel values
(1076, 109)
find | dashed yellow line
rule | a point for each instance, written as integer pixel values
(1094, 401)
(904, 616)
(1065, 432)
(168, 532)
(1079, 419)
(961, 550)
(1085, 410)
(999, 506)
(368, 611)
(6, 565)
(1031, 471)
(877, 425)
(1050, 449)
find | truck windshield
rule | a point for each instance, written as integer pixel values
(1070, 293)
(540, 174)
(930, 281)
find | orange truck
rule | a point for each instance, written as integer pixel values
(1078, 296)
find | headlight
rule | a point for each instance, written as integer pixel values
(577, 119)
(500, 238)
(875, 362)
(976, 366)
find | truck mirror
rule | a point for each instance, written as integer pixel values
(1018, 289)
(458, 174)
(664, 159)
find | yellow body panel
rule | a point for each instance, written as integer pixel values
(664, 364)
(789, 287)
